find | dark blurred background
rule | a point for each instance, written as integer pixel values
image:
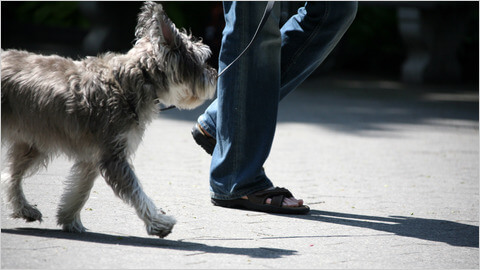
(415, 42)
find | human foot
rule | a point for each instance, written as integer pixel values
(273, 200)
(287, 202)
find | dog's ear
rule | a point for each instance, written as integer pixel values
(168, 31)
(154, 24)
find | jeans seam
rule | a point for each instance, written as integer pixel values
(297, 54)
(237, 92)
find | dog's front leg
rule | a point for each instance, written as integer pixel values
(120, 176)
(78, 188)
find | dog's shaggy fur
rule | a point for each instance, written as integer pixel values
(96, 111)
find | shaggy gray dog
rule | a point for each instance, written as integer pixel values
(95, 111)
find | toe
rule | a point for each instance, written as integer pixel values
(292, 202)
(288, 202)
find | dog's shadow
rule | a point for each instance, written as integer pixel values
(101, 238)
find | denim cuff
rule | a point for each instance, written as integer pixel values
(207, 124)
(240, 193)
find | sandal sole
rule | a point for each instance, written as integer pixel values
(267, 208)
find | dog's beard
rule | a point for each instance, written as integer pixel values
(184, 98)
(189, 93)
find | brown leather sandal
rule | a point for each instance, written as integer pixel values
(256, 202)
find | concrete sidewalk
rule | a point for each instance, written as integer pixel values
(390, 172)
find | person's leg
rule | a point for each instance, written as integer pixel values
(247, 102)
(307, 39)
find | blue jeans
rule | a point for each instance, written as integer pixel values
(243, 117)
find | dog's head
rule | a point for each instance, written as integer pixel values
(176, 60)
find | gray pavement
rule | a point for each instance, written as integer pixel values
(390, 172)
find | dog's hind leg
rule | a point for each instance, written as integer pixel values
(23, 158)
(76, 193)
(120, 176)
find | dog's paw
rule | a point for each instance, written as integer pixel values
(29, 213)
(161, 225)
(74, 227)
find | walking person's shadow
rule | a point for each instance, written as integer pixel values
(449, 232)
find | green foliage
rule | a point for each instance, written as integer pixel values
(189, 15)
(373, 42)
(58, 14)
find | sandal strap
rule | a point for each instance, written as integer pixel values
(277, 195)
(277, 200)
